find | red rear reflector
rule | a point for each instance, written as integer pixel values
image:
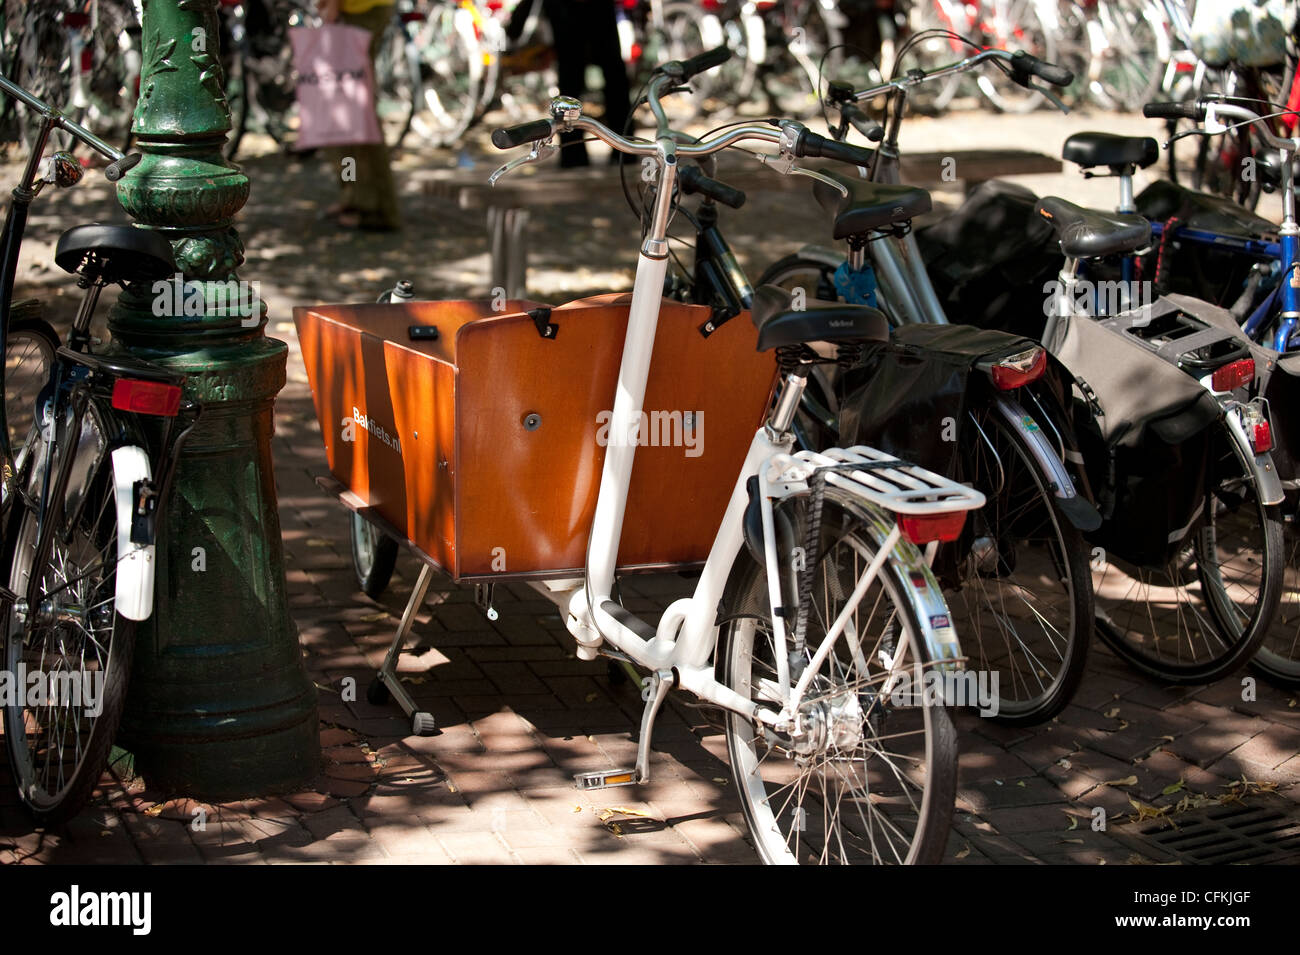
(936, 527)
(231, 3)
(1020, 369)
(1261, 437)
(1233, 375)
(87, 59)
(495, 5)
(636, 51)
(146, 397)
(76, 21)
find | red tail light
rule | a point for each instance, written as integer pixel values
(1233, 375)
(932, 527)
(1019, 369)
(146, 397)
(87, 59)
(636, 51)
(1261, 437)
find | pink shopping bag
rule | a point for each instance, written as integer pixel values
(335, 86)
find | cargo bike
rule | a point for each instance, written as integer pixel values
(499, 445)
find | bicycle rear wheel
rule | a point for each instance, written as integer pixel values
(1278, 656)
(60, 732)
(1203, 614)
(1023, 600)
(869, 782)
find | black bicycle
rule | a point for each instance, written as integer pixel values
(82, 490)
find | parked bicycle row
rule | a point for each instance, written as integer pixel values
(922, 500)
(444, 64)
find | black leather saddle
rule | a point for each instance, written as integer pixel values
(1087, 234)
(1107, 149)
(869, 205)
(115, 253)
(778, 324)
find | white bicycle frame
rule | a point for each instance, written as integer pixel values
(680, 649)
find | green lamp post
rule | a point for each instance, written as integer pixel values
(220, 706)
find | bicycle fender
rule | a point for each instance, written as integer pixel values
(1270, 484)
(135, 562)
(1076, 509)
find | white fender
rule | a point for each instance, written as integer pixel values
(135, 562)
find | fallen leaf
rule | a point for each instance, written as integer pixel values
(1074, 823)
(576, 809)
(154, 810)
(592, 697)
(1111, 713)
(1064, 763)
(963, 852)
(1173, 788)
(1074, 841)
(1126, 781)
(1021, 784)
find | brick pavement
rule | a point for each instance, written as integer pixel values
(519, 714)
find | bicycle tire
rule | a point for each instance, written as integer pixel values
(926, 753)
(1129, 77)
(52, 792)
(1278, 656)
(29, 355)
(452, 73)
(1023, 28)
(1196, 574)
(1029, 567)
(374, 556)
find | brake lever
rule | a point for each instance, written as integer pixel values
(1049, 96)
(783, 161)
(541, 149)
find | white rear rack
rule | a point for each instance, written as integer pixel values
(882, 479)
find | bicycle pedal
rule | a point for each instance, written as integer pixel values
(606, 779)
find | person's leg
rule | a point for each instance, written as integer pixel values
(606, 53)
(571, 65)
(372, 197)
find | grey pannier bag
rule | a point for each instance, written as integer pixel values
(1144, 425)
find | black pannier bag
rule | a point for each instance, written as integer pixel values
(909, 396)
(1145, 425)
(991, 258)
(1216, 274)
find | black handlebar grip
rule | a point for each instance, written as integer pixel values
(510, 136)
(1027, 63)
(1192, 111)
(118, 168)
(810, 144)
(705, 61)
(863, 123)
(694, 181)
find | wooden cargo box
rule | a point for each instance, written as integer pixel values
(484, 446)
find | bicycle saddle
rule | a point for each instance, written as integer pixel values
(115, 253)
(1107, 149)
(869, 205)
(778, 324)
(1088, 234)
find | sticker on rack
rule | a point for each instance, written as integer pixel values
(1028, 423)
(918, 580)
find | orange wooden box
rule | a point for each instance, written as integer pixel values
(439, 436)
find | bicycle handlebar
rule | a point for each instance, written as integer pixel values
(1024, 65)
(118, 163)
(1192, 111)
(510, 136)
(703, 62)
(693, 180)
(811, 144)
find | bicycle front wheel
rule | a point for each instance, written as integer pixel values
(1205, 612)
(1278, 656)
(60, 727)
(869, 780)
(29, 356)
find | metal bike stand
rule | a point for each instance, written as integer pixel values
(422, 722)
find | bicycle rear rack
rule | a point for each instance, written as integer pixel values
(879, 478)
